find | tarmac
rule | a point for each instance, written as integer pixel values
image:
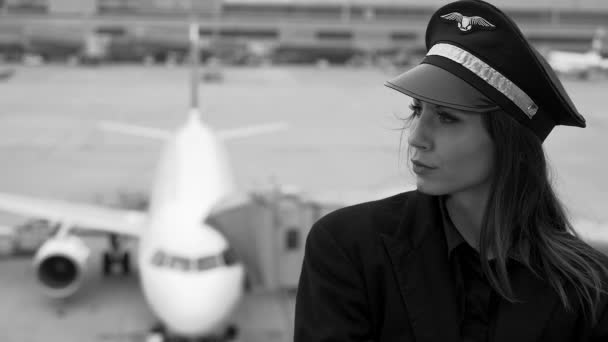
(113, 308)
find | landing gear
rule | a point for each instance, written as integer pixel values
(231, 332)
(115, 258)
(111, 260)
(159, 333)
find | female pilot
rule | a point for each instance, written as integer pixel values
(482, 250)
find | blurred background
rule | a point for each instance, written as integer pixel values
(317, 66)
(252, 32)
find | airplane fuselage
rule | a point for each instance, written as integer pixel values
(187, 270)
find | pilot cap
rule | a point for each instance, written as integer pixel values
(478, 60)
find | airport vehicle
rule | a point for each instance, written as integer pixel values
(6, 73)
(581, 64)
(188, 271)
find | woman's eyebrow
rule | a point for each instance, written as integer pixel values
(445, 109)
(449, 110)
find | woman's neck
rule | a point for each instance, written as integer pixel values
(466, 210)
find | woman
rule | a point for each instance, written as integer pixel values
(482, 250)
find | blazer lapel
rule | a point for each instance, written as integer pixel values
(417, 250)
(523, 321)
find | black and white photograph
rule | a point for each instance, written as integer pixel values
(303, 170)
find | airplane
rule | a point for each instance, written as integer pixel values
(189, 273)
(581, 64)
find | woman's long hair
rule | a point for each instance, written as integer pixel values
(524, 217)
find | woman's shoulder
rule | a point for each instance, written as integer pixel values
(363, 221)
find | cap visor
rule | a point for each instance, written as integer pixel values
(433, 84)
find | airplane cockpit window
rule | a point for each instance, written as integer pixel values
(209, 262)
(229, 256)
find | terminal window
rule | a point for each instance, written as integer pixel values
(334, 35)
(292, 239)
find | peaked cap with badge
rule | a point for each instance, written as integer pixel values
(478, 60)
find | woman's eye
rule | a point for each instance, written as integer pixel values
(446, 118)
(415, 109)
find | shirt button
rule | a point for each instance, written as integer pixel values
(413, 322)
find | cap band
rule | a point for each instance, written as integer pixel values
(488, 74)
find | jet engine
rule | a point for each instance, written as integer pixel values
(59, 265)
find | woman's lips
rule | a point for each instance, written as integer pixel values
(421, 168)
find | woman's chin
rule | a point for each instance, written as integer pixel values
(430, 188)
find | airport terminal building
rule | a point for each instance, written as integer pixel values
(333, 27)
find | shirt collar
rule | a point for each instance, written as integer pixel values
(452, 235)
(454, 238)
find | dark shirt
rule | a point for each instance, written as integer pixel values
(476, 297)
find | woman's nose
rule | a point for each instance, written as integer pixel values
(419, 136)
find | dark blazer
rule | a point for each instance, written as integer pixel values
(378, 271)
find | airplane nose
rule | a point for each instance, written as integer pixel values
(193, 303)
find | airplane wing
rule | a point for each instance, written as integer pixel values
(135, 130)
(162, 134)
(251, 130)
(83, 217)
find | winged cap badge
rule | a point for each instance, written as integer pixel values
(466, 23)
